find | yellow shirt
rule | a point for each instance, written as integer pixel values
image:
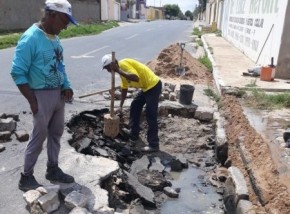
(147, 78)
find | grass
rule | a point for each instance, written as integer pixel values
(199, 43)
(218, 33)
(10, 39)
(197, 32)
(88, 29)
(262, 100)
(210, 93)
(253, 83)
(206, 62)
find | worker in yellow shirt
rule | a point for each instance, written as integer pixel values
(138, 75)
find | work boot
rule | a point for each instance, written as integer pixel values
(27, 182)
(132, 137)
(150, 149)
(55, 174)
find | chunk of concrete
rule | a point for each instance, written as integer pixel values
(31, 196)
(245, 207)
(170, 192)
(2, 147)
(221, 146)
(48, 188)
(75, 199)
(5, 136)
(22, 135)
(79, 210)
(204, 114)
(240, 184)
(145, 193)
(235, 190)
(49, 202)
(7, 125)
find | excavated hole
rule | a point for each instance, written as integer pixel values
(154, 170)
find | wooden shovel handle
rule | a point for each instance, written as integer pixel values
(113, 87)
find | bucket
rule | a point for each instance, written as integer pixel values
(186, 94)
(267, 74)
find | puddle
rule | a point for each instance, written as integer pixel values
(195, 196)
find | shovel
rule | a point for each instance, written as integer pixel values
(111, 121)
(180, 71)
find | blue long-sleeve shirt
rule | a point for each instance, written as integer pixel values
(38, 61)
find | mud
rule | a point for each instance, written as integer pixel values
(193, 141)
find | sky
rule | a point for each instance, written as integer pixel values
(184, 5)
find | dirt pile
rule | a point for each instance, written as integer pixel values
(169, 59)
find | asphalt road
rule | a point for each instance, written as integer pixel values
(142, 41)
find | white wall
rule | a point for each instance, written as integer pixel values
(247, 24)
(110, 10)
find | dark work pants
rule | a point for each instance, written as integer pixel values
(151, 99)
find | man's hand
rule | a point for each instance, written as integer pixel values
(119, 110)
(68, 95)
(114, 67)
(34, 107)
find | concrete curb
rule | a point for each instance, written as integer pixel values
(236, 198)
(218, 80)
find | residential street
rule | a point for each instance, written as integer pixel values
(255, 145)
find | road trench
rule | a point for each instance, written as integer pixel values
(179, 178)
(183, 176)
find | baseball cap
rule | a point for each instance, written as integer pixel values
(106, 60)
(62, 6)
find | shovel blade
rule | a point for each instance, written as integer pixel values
(180, 71)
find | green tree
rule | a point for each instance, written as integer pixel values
(189, 14)
(196, 12)
(171, 10)
(202, 5)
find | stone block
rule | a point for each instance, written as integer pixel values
(221, 146)
(5, 136)
(235, 190)
(22, 135)
(49, 202)
(7, 125)
(204, 114)
(31, 196)
(245, 207)
(75, 199)
(2, 147)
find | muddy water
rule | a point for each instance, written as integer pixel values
(272, 125)
(195, 196)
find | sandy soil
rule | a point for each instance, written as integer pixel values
(169, 59)
(273, 196)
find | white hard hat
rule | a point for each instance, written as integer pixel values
(106, 60)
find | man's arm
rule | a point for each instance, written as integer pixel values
(30, 96)
(123, 97)
(128, 76)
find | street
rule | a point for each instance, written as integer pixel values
(142, 41)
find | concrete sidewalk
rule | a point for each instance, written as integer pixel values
(229, 63)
